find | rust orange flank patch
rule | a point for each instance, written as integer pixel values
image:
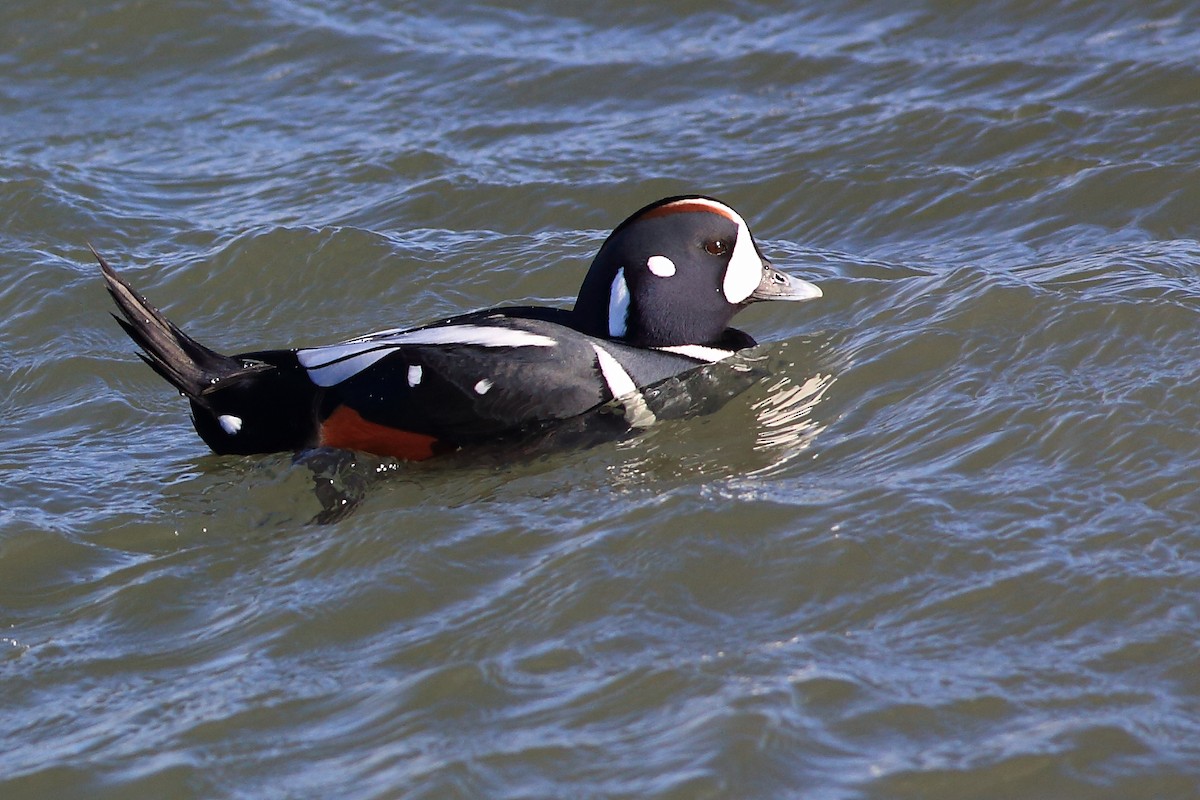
(345, 428)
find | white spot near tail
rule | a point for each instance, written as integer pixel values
(618, 306)
(414, 375)
(230, 424)
(661, 266)
(483, 386)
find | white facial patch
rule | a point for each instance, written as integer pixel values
(230, 424)
(661, 266)
(414, 375)
(618, 306)
(745, 269)
(483, 386)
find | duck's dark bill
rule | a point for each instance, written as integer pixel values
(777, 285)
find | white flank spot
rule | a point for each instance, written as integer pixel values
(230, 424)
(624, 390)
(661, 266)
(745, 268)
(698, 352)
(414, 375)
(483, 386)
(618, 306)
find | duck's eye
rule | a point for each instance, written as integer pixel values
(716, 247)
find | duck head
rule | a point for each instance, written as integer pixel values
(675, 273)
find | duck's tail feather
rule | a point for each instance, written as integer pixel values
(189, 366)
(258, 402)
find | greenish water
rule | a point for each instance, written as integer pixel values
(946, 550)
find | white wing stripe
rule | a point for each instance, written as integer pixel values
(480, 335)
(335, 363)
(333, 373)
(318, 357)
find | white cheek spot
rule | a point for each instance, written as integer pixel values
(745, 268)
(230, 424)
(483, 386)
(618, 306)
(661, 266)
(414, 375)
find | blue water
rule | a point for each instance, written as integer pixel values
(945, 549)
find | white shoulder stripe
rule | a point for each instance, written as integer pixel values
(332, 364)
(624, 390)
(698, 352)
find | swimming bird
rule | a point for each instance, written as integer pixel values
(656, 303)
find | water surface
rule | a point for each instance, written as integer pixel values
(946, 549)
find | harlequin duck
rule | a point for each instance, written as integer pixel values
(656, 303)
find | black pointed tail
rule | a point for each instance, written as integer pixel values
(253, 403)
(188, 365)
